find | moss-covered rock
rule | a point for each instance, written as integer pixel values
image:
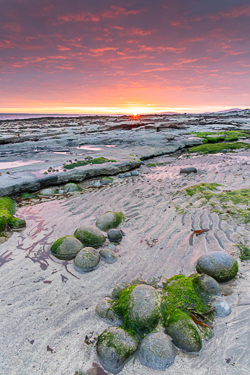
(7, 210)
(183, 332)
(207, 284)
(71, 187)
(138, 306)
(109, 220)
(221, 266)
(48, 192)
(89, 236)
(66, 247)
(87, 259)
(114, 347)
(108, 255)
(105, 311)
(157, 351)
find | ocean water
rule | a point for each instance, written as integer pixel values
(24, 116)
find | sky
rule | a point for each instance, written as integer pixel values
(133, 56)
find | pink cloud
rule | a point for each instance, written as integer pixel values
(63, 48)
(235, 12)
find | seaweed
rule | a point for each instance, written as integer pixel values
(81, 163)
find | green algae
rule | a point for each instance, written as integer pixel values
(81, 163)
(110, 220)
(229, 135)
(244, 252)
(71, 187)
(213, 148)
(205, 189)
(181, 293)
(7, 210)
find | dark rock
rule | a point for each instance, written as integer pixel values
(188, 170)
(115, 235)
(221, 266)
(121, 175)
(128, 174)
(114, 347)
(134, 173)
(157, 351)
(106, 180)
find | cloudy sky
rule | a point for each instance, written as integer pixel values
(116, 56)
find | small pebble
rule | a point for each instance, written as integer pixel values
(121, 176)
(128, 174)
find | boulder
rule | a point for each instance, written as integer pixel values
(106, 180)
(104, 310)
(109, 220)
(108, 255)
(143, 308)
(114, 347)
(89, 236)
(134, 173)
(157, 351)
(87, 259)
(183, 332)
(115, 235)
(221, 266)
(48, 192)
(66, 247)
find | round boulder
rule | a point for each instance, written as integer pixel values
(134, 173)
(89, 236)
(144, 307)
(109, 220)
(66, 247)
(221, 266)
(208, 284)
(222, 308)
(47, 192)
(87, 259)
(106, 180)
(108, 255)
(115, 235)
(183, 332)
(71, 187)
(157, 351)
(188, 170)
(114, 347)
(104, 310)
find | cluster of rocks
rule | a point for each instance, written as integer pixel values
(83, 246)
(67, 188)
(154, 319)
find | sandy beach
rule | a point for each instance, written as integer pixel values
(48, 308)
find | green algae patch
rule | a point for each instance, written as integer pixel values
(81, 163)
(204, 189)
(7, 210)
(227, 135)
(244, 252)
(181, 293)
(213, 148)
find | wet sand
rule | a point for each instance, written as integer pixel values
(48, 307)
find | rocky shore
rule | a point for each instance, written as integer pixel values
(132, 253)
